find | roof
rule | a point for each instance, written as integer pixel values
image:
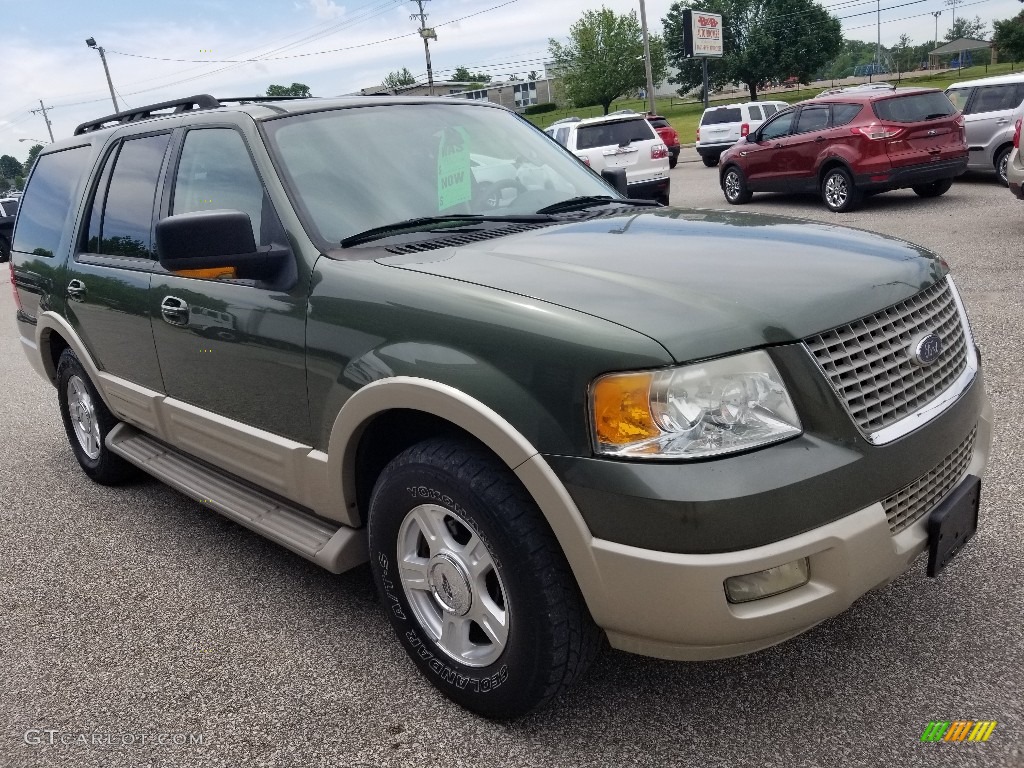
(611, 118)
(862, 95)
(963, 44)
(744, 104)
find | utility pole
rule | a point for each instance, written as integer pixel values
(647, 60)
(878, 44)
(91, 42)
(42, 108)
(936, 14)
(427, 34)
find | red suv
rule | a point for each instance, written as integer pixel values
(847, 144)
(668, 136)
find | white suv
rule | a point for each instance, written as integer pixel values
(721, 127)
(619, 141)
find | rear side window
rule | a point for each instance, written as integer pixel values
(562, 135)
(11, 208)
(722, 115)
(959, 97)
(914, 107)
(843, 114)
(812, 119)
(614, 134)
(755, 113)
(659, 122)
(49, 201)
(125, 227)
(996, 98)
(769, 110)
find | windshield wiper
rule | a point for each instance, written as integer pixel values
(429, 222)
(588, 201)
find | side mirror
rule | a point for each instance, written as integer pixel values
(752, 137)
(617, 178)
(214, 239)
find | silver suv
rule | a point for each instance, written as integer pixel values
(721, 127)
(625, 141)
(990, 107)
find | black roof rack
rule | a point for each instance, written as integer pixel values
(188, 104)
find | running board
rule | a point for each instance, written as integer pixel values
(336, 548)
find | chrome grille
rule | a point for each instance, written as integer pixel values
(869, 365)
(907, 505)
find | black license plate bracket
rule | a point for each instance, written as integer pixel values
(953, 524)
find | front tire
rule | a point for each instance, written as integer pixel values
(87, 422)
(734, 186)
(933, 189)
(474, 582)
(838, 191)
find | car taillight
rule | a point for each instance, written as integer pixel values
(744, 130)
(961, 129)
(1016, 132)
(658, 151)
(17, 298)
(585, 159)
(877, 132)
(698, 134)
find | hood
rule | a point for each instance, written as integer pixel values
(702, 283)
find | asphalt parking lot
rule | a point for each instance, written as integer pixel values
(135, 615)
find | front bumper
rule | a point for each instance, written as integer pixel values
(1015, 173)
(672, 604)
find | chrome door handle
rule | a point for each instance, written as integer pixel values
(76, 290)
(174, 310)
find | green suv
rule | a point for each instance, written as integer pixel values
(418, 333)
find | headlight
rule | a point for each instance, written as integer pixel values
(692, 412)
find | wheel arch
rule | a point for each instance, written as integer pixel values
(831, 163)
(360, 448)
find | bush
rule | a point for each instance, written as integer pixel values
(537, 109)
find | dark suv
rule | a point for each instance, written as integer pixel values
(851, 143)
(546, 419)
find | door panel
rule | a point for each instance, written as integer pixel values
(232, 347)
(107, 282)
(761, 159)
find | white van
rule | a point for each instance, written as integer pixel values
(721, 127)
(990, 107)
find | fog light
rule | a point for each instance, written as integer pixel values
(781, 578)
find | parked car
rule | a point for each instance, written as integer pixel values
(620, 140)
(1015, 163)
(991, 107)
(721, 127)
(668, 135)
(578, 417)
(8, 210)
(849, 144)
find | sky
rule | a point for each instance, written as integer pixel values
(158, 51)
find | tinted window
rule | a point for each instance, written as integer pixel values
(49, 201)
(615, 134)
(769, 110)
(959, 97)
(995, 98)
(659, 122)
(722, 115)
(755, 113)
(914, 107)
(126, 225)
(216, 172)
(843, 114)
(10, 208)
(778, 127)
(812, 119)
(562, 135)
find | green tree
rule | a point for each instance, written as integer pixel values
(33, 153)
(396, 80)
(763, 40)
(533, 73)
(902, 46)
(1009, 37)
(604, 58)
(9, 166)
(964, 27)
(295, 89)
(463, 75)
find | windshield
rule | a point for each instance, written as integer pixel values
(356, 169)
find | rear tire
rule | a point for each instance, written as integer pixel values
(734, 186)
(475, 584)
(87, 422)
(1000, 164)
(673, 161)
(710, 162)
(838, 191)
(934, 189)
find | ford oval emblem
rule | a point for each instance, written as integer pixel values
(925, 349)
